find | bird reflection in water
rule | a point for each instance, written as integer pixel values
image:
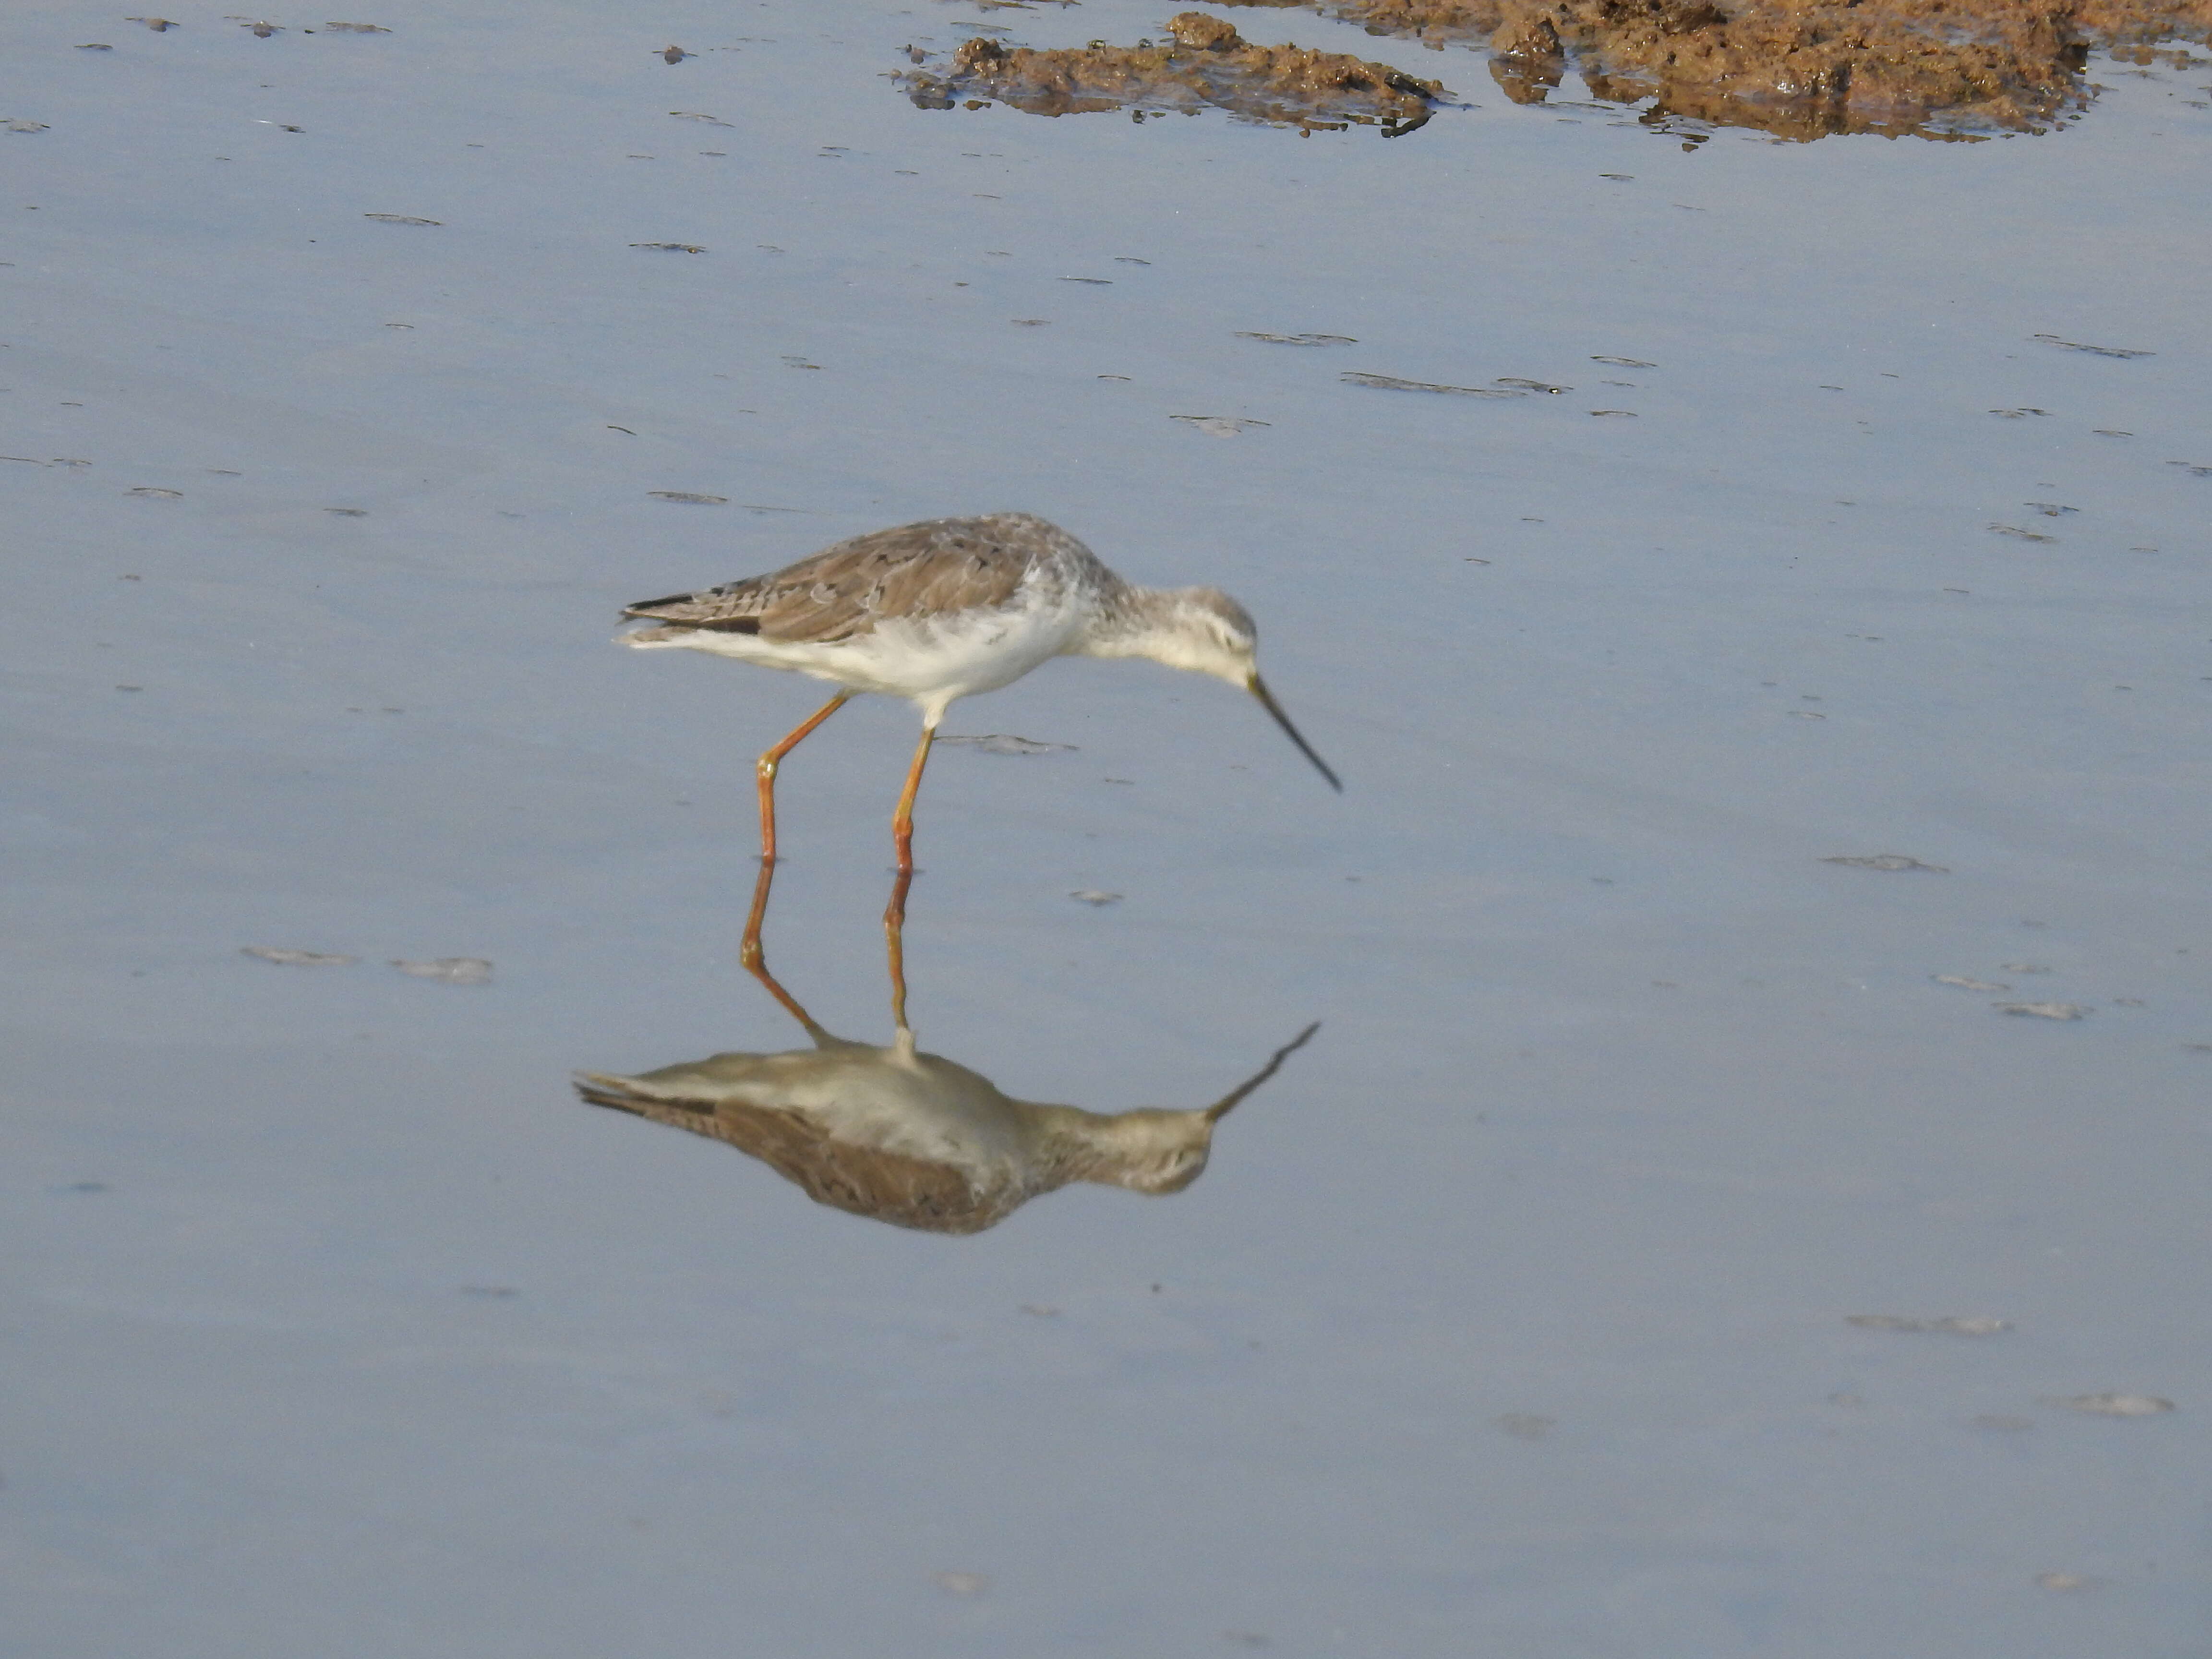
(906, 1137)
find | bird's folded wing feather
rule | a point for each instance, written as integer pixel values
(917, 572)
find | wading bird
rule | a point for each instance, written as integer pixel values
(945, 609)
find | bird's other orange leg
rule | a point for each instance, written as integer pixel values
(895, 943)
(902, 821)
(765, 770)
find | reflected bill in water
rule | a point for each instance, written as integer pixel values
(907, 1137)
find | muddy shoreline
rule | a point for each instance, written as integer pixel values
(1204, 63)
(1799, 70)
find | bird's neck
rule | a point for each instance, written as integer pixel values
(1128, 621)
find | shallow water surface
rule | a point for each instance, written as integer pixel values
(1744, 1193)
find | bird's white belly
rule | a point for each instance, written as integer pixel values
(931, 661)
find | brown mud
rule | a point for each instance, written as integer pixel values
(1803, 68)
(1204, 64)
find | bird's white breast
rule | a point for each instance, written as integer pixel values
(932, 659)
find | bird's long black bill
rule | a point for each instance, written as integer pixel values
(1268, 702)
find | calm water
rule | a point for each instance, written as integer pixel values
(1511, 1317)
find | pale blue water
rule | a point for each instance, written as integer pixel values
(1623, 1100)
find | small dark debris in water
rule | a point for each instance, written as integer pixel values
(1624, 178)
(2043, 1010)
(159, 25)
(1095, 281)
(1965, 982)
(671, 247)
(612, 426)
(1391, 383)
(675, 54)
(1952, 1325)
(1625, 363)
(95, 45)
(297, 958)
(1003, 743)
(1884, 862)
(1123, 259)
(261, 30)
(2096, 350)
(1204, 63)
(27, 126)
(1110, 377)
(1094, 897)
(1526, 1426)
(150, 492)
(449, 970)
(1297, 339)
(687, 497)
(400, 219)
(1533, 385)
(1030, 322)
(2021, 413)
(348, 512)
(2109, 432)
(358, 28)
(691, 115)
(2051, 510)
(2018, 534)
(1219, 426)
(2192, 469)
(1624, 414)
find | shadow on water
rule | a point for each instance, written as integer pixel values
(905, 1137)
(1798, 70)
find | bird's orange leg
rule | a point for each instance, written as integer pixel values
(895, 943)
(902, 821)
(765, 770)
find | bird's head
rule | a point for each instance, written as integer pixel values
(1207, 632)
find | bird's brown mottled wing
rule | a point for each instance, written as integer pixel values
(934, 568)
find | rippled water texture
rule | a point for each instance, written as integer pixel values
(1745, 1195)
